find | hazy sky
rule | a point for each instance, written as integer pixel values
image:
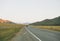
(22, 11)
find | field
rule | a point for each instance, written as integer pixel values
(56, 28)
(7, 31)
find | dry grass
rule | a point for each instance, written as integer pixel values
(7, 31)
(56, 28)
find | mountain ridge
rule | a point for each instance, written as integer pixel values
(49, 22)
(5, 21)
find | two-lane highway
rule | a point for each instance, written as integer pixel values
(35, 34)
(45, 35)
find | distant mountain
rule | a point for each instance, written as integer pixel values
(49, 22)
(5, 21)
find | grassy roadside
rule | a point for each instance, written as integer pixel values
(55, 28)
(7, 31)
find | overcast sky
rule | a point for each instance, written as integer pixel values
(22, 11)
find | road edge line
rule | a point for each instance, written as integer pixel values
(32, 34)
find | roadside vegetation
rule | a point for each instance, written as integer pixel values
(51, 24)
(55, 28)
(7, 31)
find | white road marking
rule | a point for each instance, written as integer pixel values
(33, 34)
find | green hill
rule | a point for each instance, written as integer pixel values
(49, 22)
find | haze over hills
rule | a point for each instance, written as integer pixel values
(5, 21)
(49, 22)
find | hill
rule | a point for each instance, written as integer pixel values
(49, 22)
(5, 21)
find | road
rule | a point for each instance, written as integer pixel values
(35, 34)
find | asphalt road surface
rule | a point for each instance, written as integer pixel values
(35, 34)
